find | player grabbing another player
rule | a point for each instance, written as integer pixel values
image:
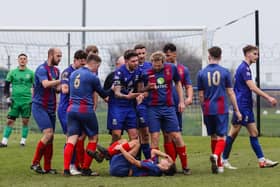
(161, 110)
(214, 84)
(80, 57)
(80, 114)
(243, 88)
(22, 80)
(44, 107)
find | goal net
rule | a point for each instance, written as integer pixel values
(191, 45)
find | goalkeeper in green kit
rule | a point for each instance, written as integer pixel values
(20, 100)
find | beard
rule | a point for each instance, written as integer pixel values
(54, 62)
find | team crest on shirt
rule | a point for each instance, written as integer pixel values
(180, 71)
(65, 75)
(27, 76)
(114, 122)
(167, 72)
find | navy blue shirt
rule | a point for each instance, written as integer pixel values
(64, 98)
(128, 81)
(164, 79)
(46, 97)
(214, 80)
(242, 91)
(82, 85)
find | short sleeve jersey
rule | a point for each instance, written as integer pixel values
(82, 85)
(127, 80)
(184, 78)
(164, 79)
(46, 97)
(214, 80)
(22, 81)
(242, 91)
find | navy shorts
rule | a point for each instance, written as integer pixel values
(164, 118)
(119, 166)
(121, 118)
(247, 117)
(142, 115)
(62, 116)
(82, 122)
(216, 124)
(43, 118)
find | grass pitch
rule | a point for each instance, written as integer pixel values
(15, 162)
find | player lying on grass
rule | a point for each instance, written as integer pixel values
(123, 163)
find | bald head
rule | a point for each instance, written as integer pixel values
(54, 56)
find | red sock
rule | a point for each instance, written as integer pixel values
(88, 159)
(220, 146)
(68, 153)
(181, 151)
(40, 149)
(80, 151)
(48, 156)
(213, 145)
(111, 148)
(170, 150)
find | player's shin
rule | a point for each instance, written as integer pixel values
(88, 159)
(68, 153)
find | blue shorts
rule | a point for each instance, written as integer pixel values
(121, 118)
(119, 166)
(142, 115)
(164, 118)
(62, 116)
(247, 117)
(216, 124)
(82, 122)
(44, 119)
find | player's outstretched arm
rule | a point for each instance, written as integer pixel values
(258, 91)
(48, 83)
(232, 98)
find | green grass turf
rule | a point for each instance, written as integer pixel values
(15, 162)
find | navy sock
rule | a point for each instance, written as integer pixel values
(256, 146)
(146, 150)
(227, 150)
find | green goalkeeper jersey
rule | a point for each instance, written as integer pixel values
(22, 82)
